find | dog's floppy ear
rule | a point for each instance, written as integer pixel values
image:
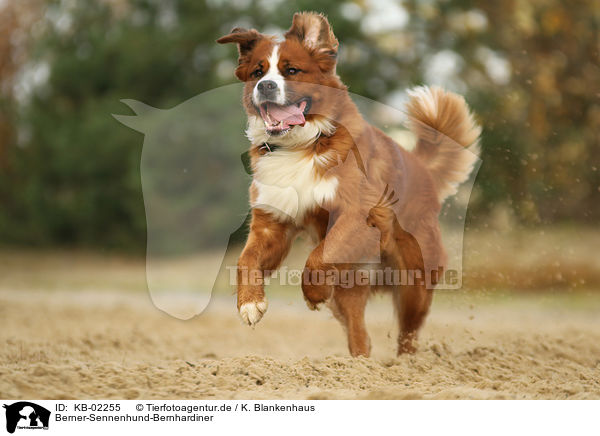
(245, 39)
(314, 32)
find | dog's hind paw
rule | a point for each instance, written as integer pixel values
(251, 313)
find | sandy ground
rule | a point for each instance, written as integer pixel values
(75, 345)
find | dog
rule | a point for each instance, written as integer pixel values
(319, 167)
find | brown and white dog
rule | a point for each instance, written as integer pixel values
(318, 166)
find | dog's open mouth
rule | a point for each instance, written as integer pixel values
(280, 119)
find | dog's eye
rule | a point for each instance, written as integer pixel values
(257, 73)
(291, 71)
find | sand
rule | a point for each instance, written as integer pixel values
(79, 345)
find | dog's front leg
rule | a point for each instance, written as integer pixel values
(349, 241)
(317, 283)
(346, 244)
(268, 243)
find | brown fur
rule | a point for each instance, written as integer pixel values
(444, 128)
(366, 163)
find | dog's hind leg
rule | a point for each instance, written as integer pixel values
(412, 299)
(412, 304)
(348, 306)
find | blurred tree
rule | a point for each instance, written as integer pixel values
(530, 69)
(76, 177)
(16, 19)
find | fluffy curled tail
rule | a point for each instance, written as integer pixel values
(444, 128)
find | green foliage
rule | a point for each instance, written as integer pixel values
(73, 176)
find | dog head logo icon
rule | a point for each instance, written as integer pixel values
(26, 415)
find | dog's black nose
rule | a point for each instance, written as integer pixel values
(267, 87)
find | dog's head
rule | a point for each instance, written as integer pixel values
(288, 84)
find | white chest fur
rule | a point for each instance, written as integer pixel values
(289, 185)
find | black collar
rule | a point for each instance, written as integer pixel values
(266, 148)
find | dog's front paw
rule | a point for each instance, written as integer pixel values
(251, 313)
(316, 295)
(311, 305)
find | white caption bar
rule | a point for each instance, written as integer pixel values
(44, 417)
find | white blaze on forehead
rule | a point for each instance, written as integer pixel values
(274, 75)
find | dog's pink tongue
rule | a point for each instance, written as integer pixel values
(290, 115)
